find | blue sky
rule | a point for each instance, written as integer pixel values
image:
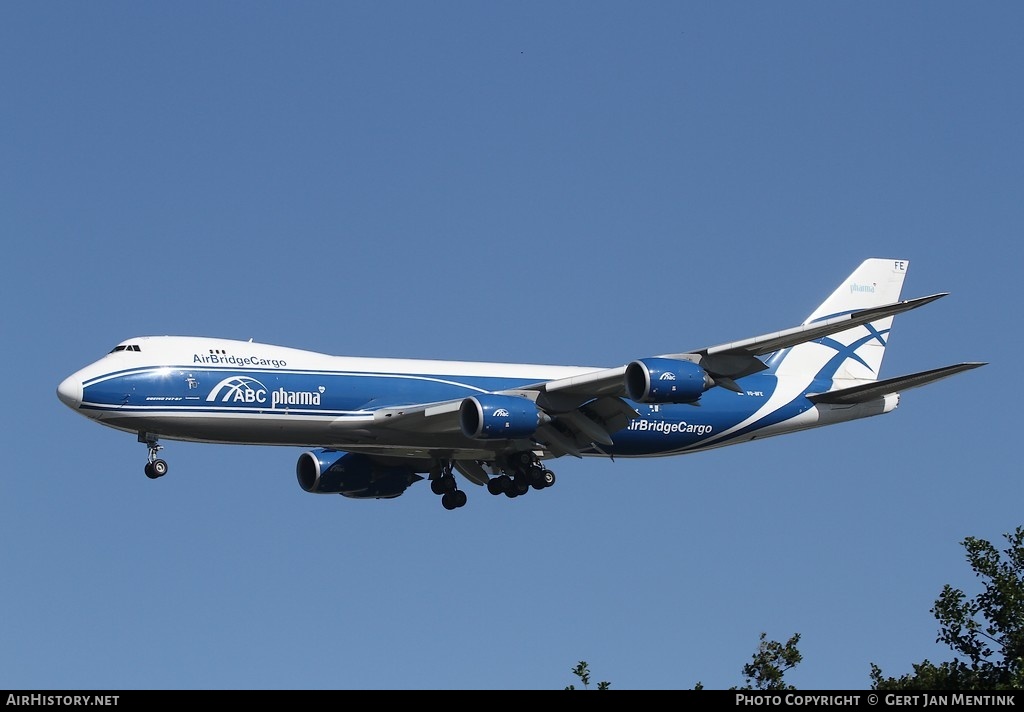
(577, 183)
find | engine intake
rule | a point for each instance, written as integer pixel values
(324, 471)
(496, 416)
(666, 380)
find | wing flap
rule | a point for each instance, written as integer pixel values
(589, 426)
(472, 471)
(595, 422)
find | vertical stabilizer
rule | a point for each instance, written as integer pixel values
(852, 357)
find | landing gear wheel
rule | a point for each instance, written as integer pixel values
(444, 484)
(535, 476)
(453, 500)
(155, 469)
(547, 478)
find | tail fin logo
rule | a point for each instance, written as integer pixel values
(854, 287)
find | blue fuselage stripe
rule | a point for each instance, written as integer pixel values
(327, 396)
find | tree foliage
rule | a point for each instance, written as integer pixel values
(766, 669)
(986, 631)
(582, 671)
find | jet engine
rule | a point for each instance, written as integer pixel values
(666, 380)
(496, 416)
(354, 475)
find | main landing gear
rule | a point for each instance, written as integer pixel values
(442, 482)
(519, 474)
(155, 467)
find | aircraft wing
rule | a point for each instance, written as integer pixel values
(727, 362)
(439, 417)
(566, 428)
(581, 412)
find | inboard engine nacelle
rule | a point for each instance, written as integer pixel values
(665, 380)
(489, 416)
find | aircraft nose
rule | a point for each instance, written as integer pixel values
(70, 392)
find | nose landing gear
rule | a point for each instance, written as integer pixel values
(155, 467)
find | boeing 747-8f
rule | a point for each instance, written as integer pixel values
(375, 426)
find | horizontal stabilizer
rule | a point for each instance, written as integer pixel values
(878, 389)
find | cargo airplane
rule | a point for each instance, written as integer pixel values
(372, 427)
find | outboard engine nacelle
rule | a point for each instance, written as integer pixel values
(666, 380)
(353, 475)
(497, 416)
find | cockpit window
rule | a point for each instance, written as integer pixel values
(126, 347)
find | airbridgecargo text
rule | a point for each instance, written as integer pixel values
(62, 700)
(664, 426)
(218, 359)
